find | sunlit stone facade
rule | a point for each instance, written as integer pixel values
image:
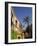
(16, 26)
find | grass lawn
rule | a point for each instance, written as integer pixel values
(13, 35)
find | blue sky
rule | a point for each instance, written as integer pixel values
(21, 12)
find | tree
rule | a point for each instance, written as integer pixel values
(26, 20)
(30, 30)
